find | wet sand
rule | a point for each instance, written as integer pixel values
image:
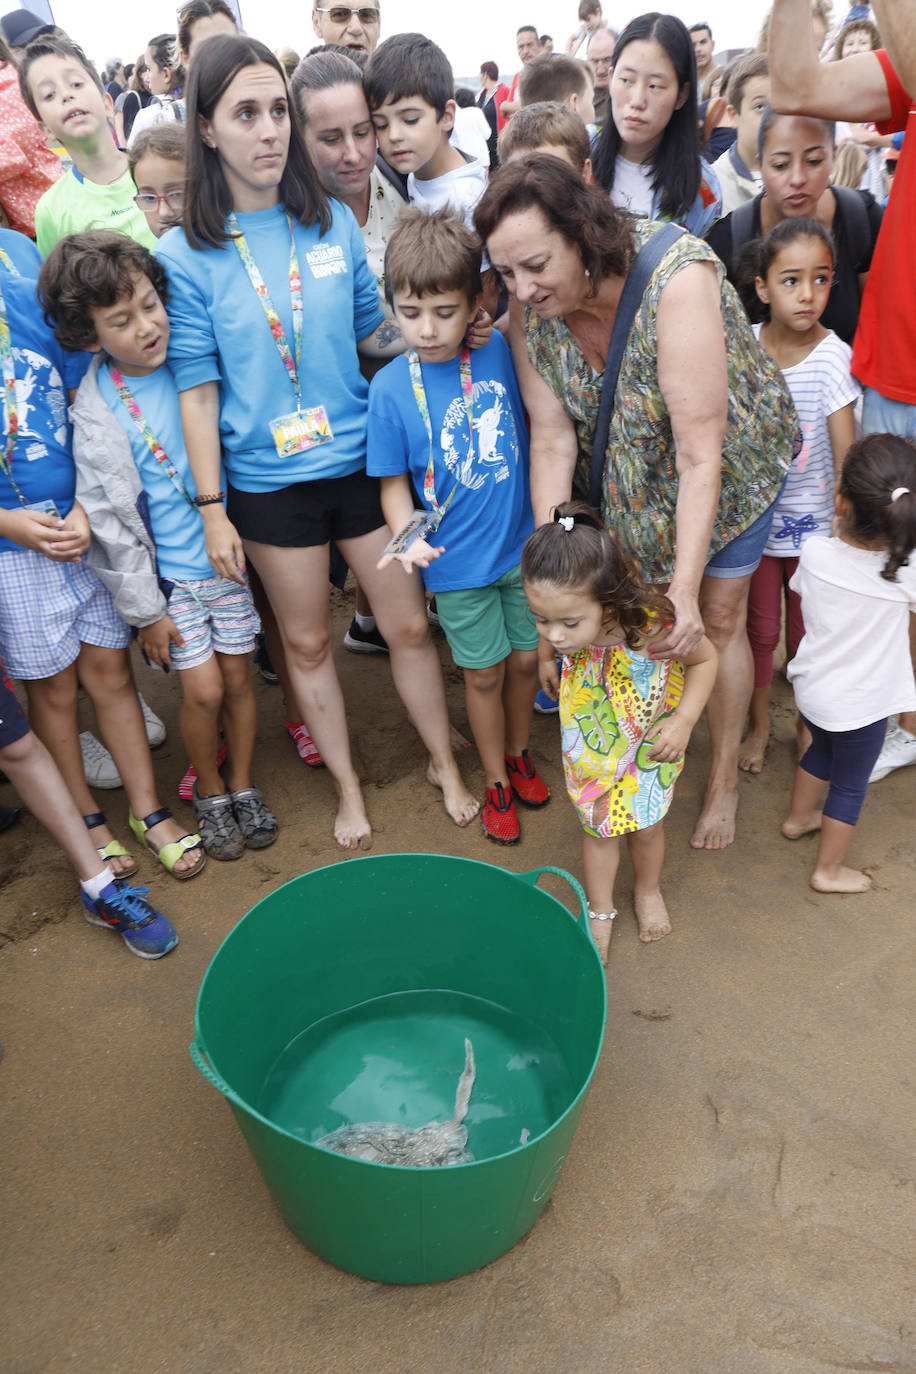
(740, 1197)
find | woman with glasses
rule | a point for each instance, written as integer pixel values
(271, 301)
(647, 155)
(796, 159)
(348, 28)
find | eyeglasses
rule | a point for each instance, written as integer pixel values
(149, 203)
(598, 62)
(341, 14)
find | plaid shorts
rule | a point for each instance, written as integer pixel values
(214, 616)
(48, 610)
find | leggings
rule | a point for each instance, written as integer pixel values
(764, 614)
(844, 758)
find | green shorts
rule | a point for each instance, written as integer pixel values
(483, 624)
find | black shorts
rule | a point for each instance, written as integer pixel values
(13, 724)
(308, 514)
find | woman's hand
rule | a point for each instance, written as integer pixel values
(687, 630)
(224, 547)
(156, 641)
(480, 329)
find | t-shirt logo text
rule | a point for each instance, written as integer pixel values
(327, 260)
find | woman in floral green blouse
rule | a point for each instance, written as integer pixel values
(702, 432)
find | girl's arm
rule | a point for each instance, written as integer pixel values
(841, 426)
(200, 424)
(398, 509)
(670, 739)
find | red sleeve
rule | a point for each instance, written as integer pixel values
(901, 104)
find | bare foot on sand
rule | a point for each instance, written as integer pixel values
(459, 803)
(752, 752)
(795, 829)
(715, 828)
(602, 928)
(840, 880)
(351, 825)
(652, 916)
(457, 739)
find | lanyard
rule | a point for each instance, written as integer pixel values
(8, 263)
(273, 319)
(467, 391)
(10, 409)
(152, 443)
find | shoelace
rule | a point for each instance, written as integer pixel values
(129, 901)
(93, 750)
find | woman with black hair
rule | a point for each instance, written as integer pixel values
(270, 302)
(648, 156)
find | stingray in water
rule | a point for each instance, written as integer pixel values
(426, 1147)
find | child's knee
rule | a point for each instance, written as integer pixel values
(57, 693)
(20, 752)
(106, 672)
(484, 680)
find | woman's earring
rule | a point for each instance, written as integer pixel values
(587, 272)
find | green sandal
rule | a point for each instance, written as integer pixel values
(113, 849)
(168, 854)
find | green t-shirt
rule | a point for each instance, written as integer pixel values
(74, 204)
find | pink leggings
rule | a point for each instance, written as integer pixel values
(764, 615)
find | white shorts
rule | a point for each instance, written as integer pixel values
(48, 610)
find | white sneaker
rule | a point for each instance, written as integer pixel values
(897, 751)
(98, 765)
(155, 730)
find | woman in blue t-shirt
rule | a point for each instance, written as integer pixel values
(270, 301)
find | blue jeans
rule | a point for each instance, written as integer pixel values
(881, 415)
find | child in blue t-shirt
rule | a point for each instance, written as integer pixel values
(452, 432)
(105, 293)
(58, 624)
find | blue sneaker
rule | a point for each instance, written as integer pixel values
(145, 931)
(546, 705)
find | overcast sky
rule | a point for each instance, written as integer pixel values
(470, 31)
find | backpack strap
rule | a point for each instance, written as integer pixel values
(634, 288)
(855, 221)
(742, 227)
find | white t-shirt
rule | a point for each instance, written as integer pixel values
(632, 189)
(471, 132)
(853, 665)
(820, 384)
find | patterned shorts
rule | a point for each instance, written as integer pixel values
(48, 610)
(214, 616)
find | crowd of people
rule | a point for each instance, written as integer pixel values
(602, 371)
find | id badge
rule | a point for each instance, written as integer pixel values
(420, 524)
(301, 430)
(45, 507)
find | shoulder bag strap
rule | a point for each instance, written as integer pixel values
(641, 269)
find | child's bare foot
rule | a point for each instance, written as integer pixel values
(458, 801)
(652, 916)
(602, 928)
(753, 751)
(840, 880)
(351, 824)
(121, 865)
(794, 829)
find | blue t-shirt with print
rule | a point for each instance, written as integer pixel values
(42, 458)
(178, 530)
(489, 517)
(220, 333)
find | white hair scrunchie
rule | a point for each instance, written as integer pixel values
(567, 521)
(898, 492)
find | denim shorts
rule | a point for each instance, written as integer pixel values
(13, 724)
(741, 557)
(882, 415)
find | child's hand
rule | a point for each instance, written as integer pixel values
(45, 534)
(418, 555)
(480, 329)
(669, 739)
(76, 525)
(548, 672)
(156, 641)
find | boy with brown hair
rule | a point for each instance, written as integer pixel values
(548, 128)
(748, 95)
(565, 80)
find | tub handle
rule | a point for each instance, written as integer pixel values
(196, 1051)
(534, 874)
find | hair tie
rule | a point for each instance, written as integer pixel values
(898, 492)
(567, 522)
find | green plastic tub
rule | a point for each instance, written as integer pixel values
(346, 994)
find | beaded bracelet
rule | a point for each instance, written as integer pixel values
(214, 499)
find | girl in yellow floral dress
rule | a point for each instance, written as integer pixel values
(626, 716)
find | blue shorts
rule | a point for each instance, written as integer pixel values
(48, 611)
(882, 415)
(741, 557)
(215, 616)
(13, 724)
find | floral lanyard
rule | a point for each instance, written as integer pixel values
(10, 409)
(152, 443)
(467, 391)
(273, 319)
(8, 263)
